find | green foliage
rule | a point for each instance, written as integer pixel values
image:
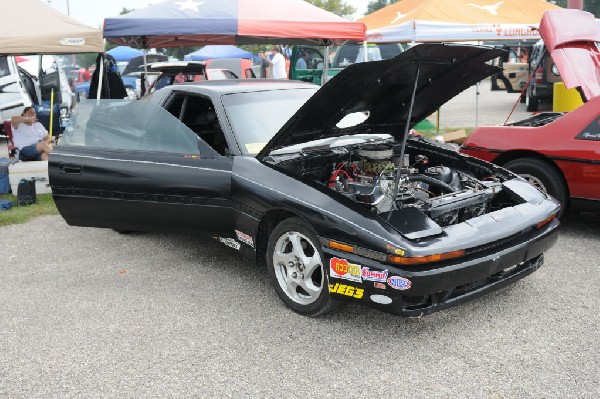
(21, 214)
(375, 5)
(338, 7)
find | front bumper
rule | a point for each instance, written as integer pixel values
(435, 287)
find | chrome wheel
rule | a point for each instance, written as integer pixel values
(534, 181)
(298, 268)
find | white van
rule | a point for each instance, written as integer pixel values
(24, 84)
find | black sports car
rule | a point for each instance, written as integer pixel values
(324, 186)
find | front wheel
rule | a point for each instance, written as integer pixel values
(296, 270)
(542, 175)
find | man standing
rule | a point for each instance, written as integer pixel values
(265, 65)
(278, 64)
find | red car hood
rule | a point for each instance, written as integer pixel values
(571, 37)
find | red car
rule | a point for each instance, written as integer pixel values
(558, 153)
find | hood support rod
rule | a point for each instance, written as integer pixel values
(405, 137)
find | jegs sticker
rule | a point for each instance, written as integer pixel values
(346, 290)
(399, 283)
(245, 238)
(341, 268)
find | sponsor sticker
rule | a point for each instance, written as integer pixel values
(342, 269)
(374, 275)
(244, 238)
(399, 283)
(347, 290)
(381, 286)
(230, 242)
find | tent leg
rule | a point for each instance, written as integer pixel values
(477, 104)
(100, 80)
(325, 66)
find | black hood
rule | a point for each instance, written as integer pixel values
(136, 64)
(384, 89)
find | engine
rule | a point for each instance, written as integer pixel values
(376, 177)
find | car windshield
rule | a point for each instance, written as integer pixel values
(130, 126)
(257, 116)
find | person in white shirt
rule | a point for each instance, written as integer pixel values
(278, 64)
(30, 136)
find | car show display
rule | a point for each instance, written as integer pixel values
(557, 152)
(324, 186)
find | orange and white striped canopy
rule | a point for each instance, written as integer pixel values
(456, 20)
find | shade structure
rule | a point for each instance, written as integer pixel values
(33, 27)
(174, 23)
(124, 53)
(213, 52)
(456, 20)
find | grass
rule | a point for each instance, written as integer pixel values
(21, 214)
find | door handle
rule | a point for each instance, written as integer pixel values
(70, 169)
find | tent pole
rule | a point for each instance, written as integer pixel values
(100, 79)
(477, 104)
(326, 66)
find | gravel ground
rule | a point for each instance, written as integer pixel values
(92, 313)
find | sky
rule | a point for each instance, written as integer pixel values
(93, 12)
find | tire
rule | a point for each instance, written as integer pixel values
(522, 98)
(531, 103)
(296, 270)
(542, 175)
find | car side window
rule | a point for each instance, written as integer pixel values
(199, 115)
(131, 125)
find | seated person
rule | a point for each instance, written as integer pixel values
(30, 136)
(301, 63)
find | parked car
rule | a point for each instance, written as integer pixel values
(32, 82)
(515, 66)
(345, 55)
(130, 74)
(541, 86)
(558, 153)
(323, 185)
(172, 72)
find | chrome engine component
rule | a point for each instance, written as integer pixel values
(446, 195)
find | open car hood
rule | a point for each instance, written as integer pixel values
(570, 37)
(175, 67)
(384, 89)
(136, 64)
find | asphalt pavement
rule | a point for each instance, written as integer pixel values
(92, 313)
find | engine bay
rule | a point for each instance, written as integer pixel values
(445, 186)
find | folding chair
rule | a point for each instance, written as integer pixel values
(13, 152)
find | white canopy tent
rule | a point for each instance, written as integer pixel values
(33, 27)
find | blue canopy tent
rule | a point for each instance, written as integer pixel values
(214, 52)
(124, 53)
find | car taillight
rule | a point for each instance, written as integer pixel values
(539, 75)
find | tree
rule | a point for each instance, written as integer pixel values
(338, 7)
(375, 5)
